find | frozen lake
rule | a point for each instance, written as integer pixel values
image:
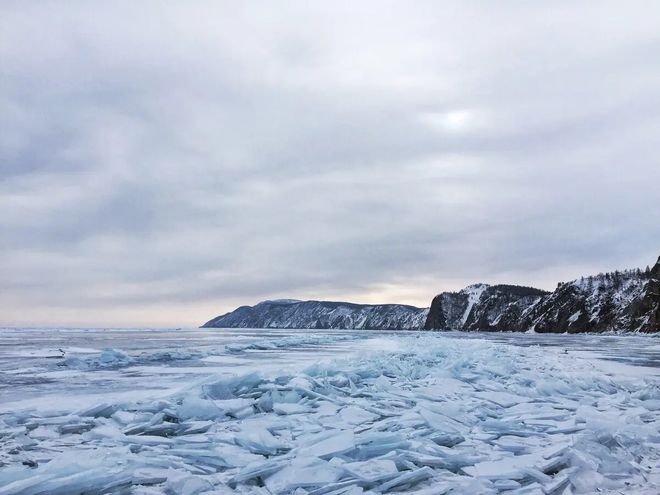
(282, 411)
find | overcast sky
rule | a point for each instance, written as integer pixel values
(164, 162)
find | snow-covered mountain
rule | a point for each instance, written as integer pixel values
(287, 313)
(628, 301)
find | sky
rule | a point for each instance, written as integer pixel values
(164, 162)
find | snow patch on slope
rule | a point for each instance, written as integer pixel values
(474, 293)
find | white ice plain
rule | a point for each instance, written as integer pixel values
(417, 413)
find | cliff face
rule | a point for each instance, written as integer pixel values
(323, 315)
(646, 310)
(482, 307)
(627, 301)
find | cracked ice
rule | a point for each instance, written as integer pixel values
(430, 414)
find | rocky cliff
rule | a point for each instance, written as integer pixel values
(323, 315)
(482, 307)
(620, 301)
(646, 309)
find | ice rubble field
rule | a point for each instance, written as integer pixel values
(429, 415)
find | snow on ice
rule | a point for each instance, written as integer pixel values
(436, 415)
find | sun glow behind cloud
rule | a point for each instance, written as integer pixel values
(454, 121)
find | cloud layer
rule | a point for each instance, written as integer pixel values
(162, 162)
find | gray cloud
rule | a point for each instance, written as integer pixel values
(164, 162)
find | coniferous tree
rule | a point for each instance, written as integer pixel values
(590, 283)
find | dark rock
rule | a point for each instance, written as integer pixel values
(646, 311)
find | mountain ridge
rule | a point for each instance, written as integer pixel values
(322, 315)
(626, 300)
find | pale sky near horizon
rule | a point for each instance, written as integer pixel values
(164, 162)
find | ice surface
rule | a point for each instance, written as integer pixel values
(286, 408)
(259, 441)
(326, 446)
(420, 413)
(372, 470)
(302, 472)
(108, 358)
